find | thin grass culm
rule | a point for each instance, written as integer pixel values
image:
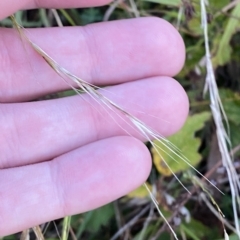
(219, 117)
(66, 227)
(111, 107)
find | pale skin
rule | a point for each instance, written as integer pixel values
(62, 157)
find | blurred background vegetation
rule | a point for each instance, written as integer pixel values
(192, 216)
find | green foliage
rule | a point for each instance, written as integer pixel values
(93, 221)
(100, 217)
(224, 49)
(186, 142)
(232, 237)
(174, 3)
(218, 5)
(11, 237)
(231, 105)
(196, 230)
(90, 15)
(140, 192)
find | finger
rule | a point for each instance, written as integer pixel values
(8, 7)
(39, 131)
(104, 53)
(76, 182)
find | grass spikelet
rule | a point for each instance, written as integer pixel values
(111, 107)
(160, 213)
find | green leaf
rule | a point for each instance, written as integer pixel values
(100, 217)
(197, 231)
(175, 3)
(216, 4)
(193, 26)
(92, 221)
(10, 237)
(233, 237)
(186, 142)
(151, 229)
(140, 192)
(190, 232)
(234, 135)
(231, 104)
(223, 54)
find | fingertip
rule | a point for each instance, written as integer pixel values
(162, 103)
(138, 162)
(174, 45)
(176, 105)
(170, 40)
(129, 166)
(9, 7)
(182, 105)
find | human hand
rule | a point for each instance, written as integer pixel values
(61, 157)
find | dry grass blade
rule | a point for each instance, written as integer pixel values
(57, 18)
(219, 115)
(134, 8)
(111, 9)
(38, 232)
(230, 6)
(130, 223)
(25, 235)
(147, 222)
(217, 212)
(160, 213)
